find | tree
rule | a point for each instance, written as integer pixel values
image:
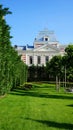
(67, 62)
(4, 46)
(69, 54)
(55, 69)
(32, 73)
(12, 70)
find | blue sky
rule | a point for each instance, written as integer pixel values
(31, 16)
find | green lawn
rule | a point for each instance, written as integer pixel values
(41, 108)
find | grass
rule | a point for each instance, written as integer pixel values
(41, 108)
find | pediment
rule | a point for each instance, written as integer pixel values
(47, 47)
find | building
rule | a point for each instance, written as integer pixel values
(45, 46)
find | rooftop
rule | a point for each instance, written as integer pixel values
(46, 33)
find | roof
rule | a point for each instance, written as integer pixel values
(46, 33)
(30, 47)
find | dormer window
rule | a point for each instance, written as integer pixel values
(46, 39)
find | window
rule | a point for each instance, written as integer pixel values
(39, 60)
(31, 60)
(46, 39)
(46, 58)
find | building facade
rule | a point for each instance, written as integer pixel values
(45, 46)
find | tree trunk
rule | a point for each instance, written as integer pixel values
(56, 82)
(65, 77)
(59, 85)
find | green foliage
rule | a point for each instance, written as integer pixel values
(67, 61)
(54, 65)
(37, 73)
(11, 66)
(69, 56)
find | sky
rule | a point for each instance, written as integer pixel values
(31, 16)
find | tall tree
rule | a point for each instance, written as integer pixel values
(11, 66)
(4, 46)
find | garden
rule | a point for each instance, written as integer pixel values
(37, 105)
(38, 108)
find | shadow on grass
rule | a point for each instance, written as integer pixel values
(71, 105)
(54, 124)
(43, 86)
(39, 95)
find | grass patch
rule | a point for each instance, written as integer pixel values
(41, 108)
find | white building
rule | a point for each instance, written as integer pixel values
(45, 46)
